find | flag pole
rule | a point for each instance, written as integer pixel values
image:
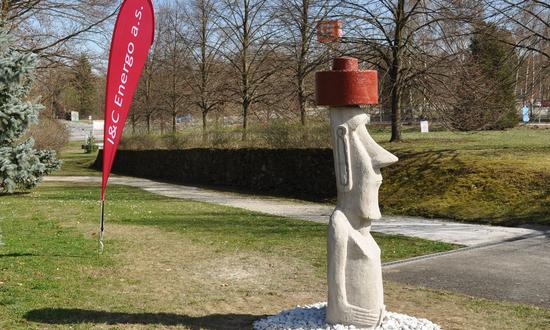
(133, 35)
(101, 227)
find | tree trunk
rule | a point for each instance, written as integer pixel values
(245, 92)
(395, 72)
(245, 120)
(204, 127)
(395, 99)
(174, 123)
(302, 100)
(304, 29)
(395, 116)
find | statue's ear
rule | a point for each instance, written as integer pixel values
(343, 159)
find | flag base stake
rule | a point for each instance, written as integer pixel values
(101, 227)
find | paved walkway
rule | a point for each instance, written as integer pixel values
(516, 271)
(439, 230)
(498, 262)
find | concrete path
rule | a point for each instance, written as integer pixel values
(439, 230)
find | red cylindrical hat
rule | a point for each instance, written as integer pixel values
(345, 84)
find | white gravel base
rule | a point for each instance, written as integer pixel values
(312, 317)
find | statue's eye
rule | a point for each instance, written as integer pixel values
(341, 131)
(358, 121)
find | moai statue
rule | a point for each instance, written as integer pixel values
(355, 289)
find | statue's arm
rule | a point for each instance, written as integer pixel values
(337, 248)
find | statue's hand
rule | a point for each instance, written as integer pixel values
(353, 315)
(364, 317)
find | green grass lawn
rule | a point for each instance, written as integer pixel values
(45, 257)
(183, 264)
(76, 161)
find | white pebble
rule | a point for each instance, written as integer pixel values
(312, 317)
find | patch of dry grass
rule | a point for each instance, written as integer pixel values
(160, 271)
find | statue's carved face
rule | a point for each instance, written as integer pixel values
(358, 161)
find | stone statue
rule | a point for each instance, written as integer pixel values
(355, 289)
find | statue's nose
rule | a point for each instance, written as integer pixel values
(379, 156)
(382, 158)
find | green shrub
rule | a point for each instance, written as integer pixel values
(317, 136)
(278, 134)
(140, 142)
(219, 138)
(174, 141)
(90, 145)
(49, 134)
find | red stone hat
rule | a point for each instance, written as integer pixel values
(346, 85)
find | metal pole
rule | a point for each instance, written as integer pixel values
(101, 227)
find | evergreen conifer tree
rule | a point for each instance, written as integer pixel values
(498, 63)
(21, 166)
(485, 92)
(83, 83)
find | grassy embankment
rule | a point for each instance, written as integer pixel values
(182, 264)
(499, 177)
(76, 162)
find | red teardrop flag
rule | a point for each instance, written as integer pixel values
(132, 39)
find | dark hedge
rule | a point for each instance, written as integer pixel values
(300, 173)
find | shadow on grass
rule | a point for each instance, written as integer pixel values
(430, 172)
(16, 255)
(46, 255)
(76, 316)
(15, 193)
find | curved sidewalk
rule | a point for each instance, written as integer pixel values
(432, 229)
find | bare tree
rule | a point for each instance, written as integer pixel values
(529, 19)
(530, 23)
(147, 94)
(406, 41)
(204, 41)
(298, 19)
(249, 50)
(51, 89)
(173, 63)
(57, 29)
